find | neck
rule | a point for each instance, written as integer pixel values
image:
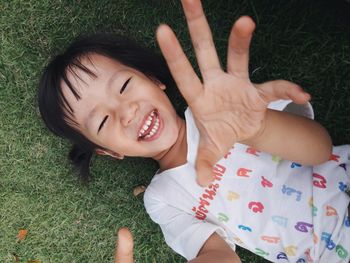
(176, 155)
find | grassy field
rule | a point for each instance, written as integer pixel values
(303, 41)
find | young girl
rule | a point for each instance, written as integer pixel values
(106, 95)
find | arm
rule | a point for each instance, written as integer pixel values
(293, 137)
(228, 108)
(215, 249)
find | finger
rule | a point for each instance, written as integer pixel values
(204, 165)
(238, 47)
(202, 39)
(181, 70)
(282, 89)
(124, 247)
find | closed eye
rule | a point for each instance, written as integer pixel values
(102, 123)
(124, 85)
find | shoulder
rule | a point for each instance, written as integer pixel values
(165, 186)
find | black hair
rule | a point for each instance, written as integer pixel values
(55, 110)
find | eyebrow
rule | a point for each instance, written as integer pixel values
(92, 113)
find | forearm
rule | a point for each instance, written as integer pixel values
(217, 256)
(293, 138)
(215, 249)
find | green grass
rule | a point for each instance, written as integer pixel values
(303, 41)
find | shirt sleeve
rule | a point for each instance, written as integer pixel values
(184, 233)
(305, 110)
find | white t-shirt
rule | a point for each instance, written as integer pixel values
(278, 209)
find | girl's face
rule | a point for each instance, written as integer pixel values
(122, 110)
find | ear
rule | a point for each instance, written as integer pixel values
(161, 86)
(109, 153)
(158, 83)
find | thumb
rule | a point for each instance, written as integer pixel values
(124, 249)
(206, 159)
(283, 89)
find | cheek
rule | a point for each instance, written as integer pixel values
(163, 100)
(171, 129)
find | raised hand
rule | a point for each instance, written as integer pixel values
(124, 249)
(226, 106)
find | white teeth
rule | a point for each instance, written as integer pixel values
(146, 125)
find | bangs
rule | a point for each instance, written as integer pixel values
(55, 110)
(73, 68)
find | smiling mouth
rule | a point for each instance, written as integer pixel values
(150, 126)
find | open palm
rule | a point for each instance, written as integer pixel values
(227, 107)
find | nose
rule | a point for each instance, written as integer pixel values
(128, 113)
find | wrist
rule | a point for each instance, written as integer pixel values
(259, 135)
